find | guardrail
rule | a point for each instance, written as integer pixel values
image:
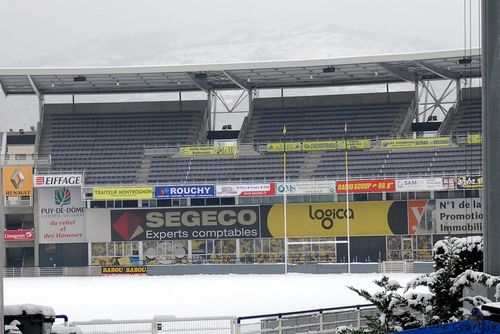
(311, 321)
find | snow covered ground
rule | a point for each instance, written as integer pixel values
(142, 297)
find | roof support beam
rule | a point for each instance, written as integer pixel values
(3, 89)
(237, 81)
(445, 74)
(34, 87)
(404, 75)
(202, 85)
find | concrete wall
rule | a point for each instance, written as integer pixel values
(333, 100)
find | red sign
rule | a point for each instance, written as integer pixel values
(366, 186)
(19, 235)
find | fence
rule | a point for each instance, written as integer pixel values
(311, 321)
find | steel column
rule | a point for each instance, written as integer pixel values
(491, 135)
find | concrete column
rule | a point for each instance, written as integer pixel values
(491, 134)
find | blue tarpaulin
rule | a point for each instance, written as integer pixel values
(465, 327)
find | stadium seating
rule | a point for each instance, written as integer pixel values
(467, 118)
(110, 142)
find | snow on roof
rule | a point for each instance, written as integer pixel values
(66, 330)
(21, 309)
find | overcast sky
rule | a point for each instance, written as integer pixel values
(74, 33)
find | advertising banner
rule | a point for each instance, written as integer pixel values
(415, 142)
(141, 270)
(208, 150)
(234, 190)
(132, 193)
(469, 182)
(319, 145)
(330, 219)
(445, 216)
(220, 222)
(19, 235)
(17, 181)
(474, 139)
(427, 184)
(62, 180)
(306, 187)
(192, 191)
(366, 186)
(62, 217)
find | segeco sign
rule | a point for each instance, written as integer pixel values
(63, 180)
(186, 223)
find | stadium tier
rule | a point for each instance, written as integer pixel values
(467, 118)
(113, 143)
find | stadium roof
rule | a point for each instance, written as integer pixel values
(378, 69)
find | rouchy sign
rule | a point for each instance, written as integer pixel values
(221, 222)
(194, 191)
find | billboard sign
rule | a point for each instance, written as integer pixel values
(221, 222)
(469, 182)
(17, 181)
(235, 190)
(445, 216)
(193, 191)
(62, 217)
(427, 184)
(208, 150)
(415, 143)
(306, 187)
(366, 186)
(62, 180)
(19, 235)
(123, 193)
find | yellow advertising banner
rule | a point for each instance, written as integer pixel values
(123, 193)
(17, 181)
(330, 219)
(474, 139)
(208, 150)
(319, 145)
(415, 143)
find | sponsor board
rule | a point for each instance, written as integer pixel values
(445, 216)
(234, 190)
(63, 180)
(62, 217)
(415, 142)
(306, 187)
(469, 182)
(474, 139)
(141, 270)
(19, 235)
(193, 191)
(221, 222)
(366, 186)
(208, 150)
(17, 181)
(319, 145)
(427, 184)
(448, 183)
(122, 193)
(330, 219)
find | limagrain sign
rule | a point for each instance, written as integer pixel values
(62, 215)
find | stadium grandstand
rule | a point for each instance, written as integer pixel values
(156, 185)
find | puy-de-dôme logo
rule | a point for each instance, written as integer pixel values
(62, 197)
(327, 217)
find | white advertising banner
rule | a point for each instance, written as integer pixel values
(62, 180)
(424, 184)
(62, 216)
(306, 187)
(234, 190)
(459, 216)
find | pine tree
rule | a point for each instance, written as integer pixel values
(394, 313)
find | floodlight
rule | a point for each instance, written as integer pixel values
(79, 78)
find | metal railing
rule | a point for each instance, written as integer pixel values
(325, 320)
